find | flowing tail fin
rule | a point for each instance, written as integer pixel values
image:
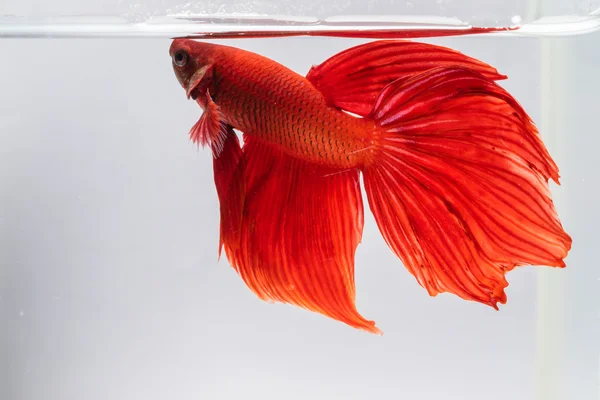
(459, 188)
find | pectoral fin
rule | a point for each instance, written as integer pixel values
(211, 128)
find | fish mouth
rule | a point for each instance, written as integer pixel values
(193, 86)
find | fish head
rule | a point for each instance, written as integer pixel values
(192, 62)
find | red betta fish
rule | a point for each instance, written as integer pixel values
(454, 170)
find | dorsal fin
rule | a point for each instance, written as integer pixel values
(352, 80)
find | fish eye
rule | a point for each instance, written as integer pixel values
(180, 58)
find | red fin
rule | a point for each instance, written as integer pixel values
(228, 169)
(302, 224)
(352, 80)
(210, 129)
(460, 186)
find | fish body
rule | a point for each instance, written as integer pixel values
(454, 170)
(267, 100)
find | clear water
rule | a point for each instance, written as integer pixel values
(109, 281)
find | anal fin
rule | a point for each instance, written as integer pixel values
(301, 226)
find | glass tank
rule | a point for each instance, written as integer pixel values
(110, 282)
